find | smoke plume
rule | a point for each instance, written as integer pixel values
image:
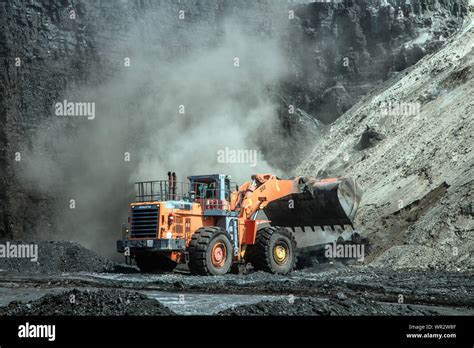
(181, 96)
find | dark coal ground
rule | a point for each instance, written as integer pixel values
(326, 307)
(56, 256)
(101, 287)
(83, 303)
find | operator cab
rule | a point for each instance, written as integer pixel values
(215, 187)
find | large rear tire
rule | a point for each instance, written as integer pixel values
(210, 251)
(274, 251)
(154, 263)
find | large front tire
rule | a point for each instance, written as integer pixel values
(274, 251)
(210, 251)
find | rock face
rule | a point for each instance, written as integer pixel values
(335, 54)
(369, 138)
(359, 43)
(53, 47)
(333, 102)
(417, 181)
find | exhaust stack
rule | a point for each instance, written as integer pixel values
(173, 188)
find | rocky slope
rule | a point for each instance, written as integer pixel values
(416, 164)
(340, 50)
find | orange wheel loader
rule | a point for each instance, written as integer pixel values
(216, 229)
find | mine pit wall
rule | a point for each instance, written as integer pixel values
(57, 53)
(417, 206)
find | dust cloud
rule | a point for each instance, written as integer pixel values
(184, 93)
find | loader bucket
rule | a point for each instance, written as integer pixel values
(328, 202)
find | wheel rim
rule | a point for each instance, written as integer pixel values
(281, 253)
(218, 254)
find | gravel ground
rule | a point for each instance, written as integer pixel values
(331, 288)
(55, 257)
(85, 302)
(322, 307)
(327, 289)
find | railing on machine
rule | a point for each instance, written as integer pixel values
(165, 190)
(161, 190)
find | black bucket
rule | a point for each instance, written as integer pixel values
(320, 203)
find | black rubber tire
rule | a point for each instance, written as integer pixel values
(261, 253)
(154, 263)
(200, 246)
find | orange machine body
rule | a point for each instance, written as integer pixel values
(167, 213)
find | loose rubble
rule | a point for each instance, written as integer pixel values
(85, 302)
(414, 161)
(56, 257)
(321, 307)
